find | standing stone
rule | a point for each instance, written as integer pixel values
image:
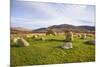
(28, 36)
(90, 35)
(35, 36)
(83, 36)
(79, 35)
(15, 39)
(42, 38)
(67, 45)
(22, 42)
(54, 33)
(68, 36)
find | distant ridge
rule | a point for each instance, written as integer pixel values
(91, 28)
(56, 28)
(62, 27)
(20, 29)
(16, 30)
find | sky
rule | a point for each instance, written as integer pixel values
(33, 15)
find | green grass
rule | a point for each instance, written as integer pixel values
(49, 52)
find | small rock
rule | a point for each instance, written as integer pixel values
(67, 45)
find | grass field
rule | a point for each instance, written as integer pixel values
(49, 52)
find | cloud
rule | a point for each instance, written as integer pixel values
(38, 14)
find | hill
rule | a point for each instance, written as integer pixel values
(16, 30)
(57, 28)
(62, 27)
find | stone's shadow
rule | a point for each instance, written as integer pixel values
(49, 40)
(60, 47)
(89, 43)
(15, 45)
(56, 40)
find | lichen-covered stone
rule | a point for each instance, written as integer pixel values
(68, 36)
(83, 36)
(67, 45)
(22, 42)
(15, 39)
(34, 36)
(42, 38)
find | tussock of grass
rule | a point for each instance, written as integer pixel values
(49, 52)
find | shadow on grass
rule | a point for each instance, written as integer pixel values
(50, 40)
(60, 47)
(56, 40)
(15, 45)
(89, 43)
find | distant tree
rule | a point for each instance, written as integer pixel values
(50, 31)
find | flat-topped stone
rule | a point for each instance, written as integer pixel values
(67, 45)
